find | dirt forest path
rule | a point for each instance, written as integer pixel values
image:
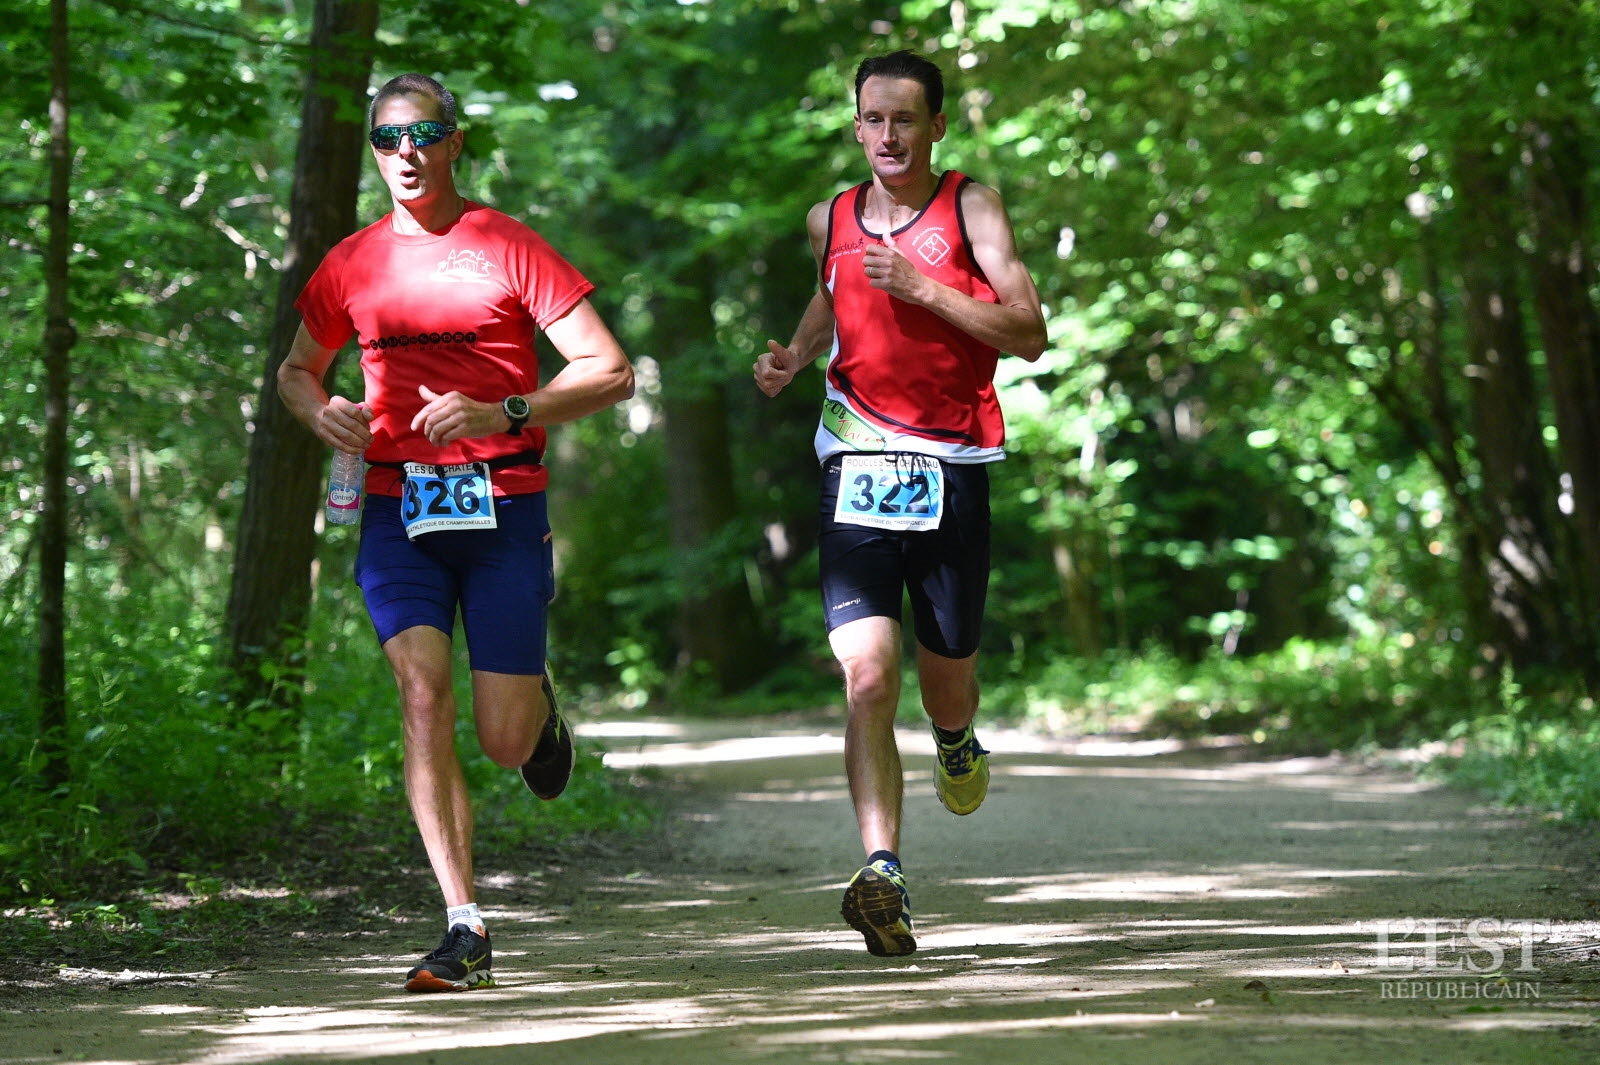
(1110, 904)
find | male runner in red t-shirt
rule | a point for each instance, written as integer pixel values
(920, 291)
(445, 297)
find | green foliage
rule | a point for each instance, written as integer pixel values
(1541, 752)
(168, 774)
(1536, 747)
(199, 923)
(1304, 696)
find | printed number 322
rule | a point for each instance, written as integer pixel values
(916, 486)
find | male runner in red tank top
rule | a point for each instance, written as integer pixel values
(920, 291)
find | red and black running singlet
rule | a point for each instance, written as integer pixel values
(901, 378)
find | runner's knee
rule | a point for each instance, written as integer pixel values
(507, 745)
(871, 684)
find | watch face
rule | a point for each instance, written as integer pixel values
(516, 407)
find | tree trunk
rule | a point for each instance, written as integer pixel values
(59, 337)
(1563, 275)
(1077, 553)
(1518, 549)
(1438, 439)
(717, 624)
(1075, 576)
(1282, 601)
(271, 594)
(717, 629)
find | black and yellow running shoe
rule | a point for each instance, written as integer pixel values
(460, 963)
(961, 773)
(876, 905)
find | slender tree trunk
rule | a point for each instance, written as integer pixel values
(59, 336)
(1075, 576)
(1519, 553)
(1282, 601)
(1563, 276)
(1441, 442)
(717, 624)
(271, 594)
(717, 628)
(1077, 554)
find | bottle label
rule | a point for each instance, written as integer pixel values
(345, 482)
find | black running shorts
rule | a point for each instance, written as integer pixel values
(866, 571)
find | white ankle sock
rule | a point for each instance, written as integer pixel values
(467, 915)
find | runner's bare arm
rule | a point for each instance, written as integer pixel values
(337, 421)
(777, 366)
(597, 375)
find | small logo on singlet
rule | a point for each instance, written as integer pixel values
(471, 267)
(933, 248)
(849, 427)
(849, 247)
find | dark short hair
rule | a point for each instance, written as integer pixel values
(905, 64)
(416, 85)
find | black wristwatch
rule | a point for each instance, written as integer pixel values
(516, 410)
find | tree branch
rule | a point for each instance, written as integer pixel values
(127, 7)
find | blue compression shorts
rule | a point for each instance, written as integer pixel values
(867, 572)
(502, 579)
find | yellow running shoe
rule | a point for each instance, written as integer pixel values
(877, 906)
(961, 775)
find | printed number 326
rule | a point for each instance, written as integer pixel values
(440, 498)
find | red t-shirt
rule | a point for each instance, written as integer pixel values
(901, 378)
(456, 311)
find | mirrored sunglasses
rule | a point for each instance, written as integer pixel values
(422, 134)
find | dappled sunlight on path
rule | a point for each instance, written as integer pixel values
(1111, 902)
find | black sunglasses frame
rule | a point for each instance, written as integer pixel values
(422, 134)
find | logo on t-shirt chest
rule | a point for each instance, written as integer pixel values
(465, 266)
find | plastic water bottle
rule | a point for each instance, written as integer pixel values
(345, 481)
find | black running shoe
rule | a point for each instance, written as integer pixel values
(546, 773)
(461, 963)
